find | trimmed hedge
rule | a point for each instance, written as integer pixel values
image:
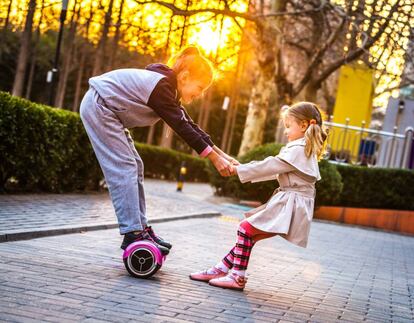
(47, 149)
(377, 188)
(351, 186)
(165, 163)
(328, 189)
(43, 148)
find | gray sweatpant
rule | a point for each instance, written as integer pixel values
(121, 165)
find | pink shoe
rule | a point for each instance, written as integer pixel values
(204, 276)
(230, 281)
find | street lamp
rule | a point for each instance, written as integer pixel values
(53, 74)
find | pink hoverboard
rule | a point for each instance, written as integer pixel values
(143, 259)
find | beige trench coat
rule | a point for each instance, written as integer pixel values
(289, 211)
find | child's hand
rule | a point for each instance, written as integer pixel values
(232, 170)
(222, 166)
(234, 161)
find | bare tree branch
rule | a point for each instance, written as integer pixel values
(299, 46)
(231, 13)
(358, 52)
(186, 13)
(316, 59)
(322, 6)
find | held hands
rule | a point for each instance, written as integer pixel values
(233, 162)
(223, 163)
(222, 166)
(232, 170)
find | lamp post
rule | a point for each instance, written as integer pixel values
(52, 75)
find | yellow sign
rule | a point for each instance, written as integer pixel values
(353, 101)
(354, 96)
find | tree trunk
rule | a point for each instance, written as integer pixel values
(268, 56)
(167, 45)
(233, 122)
(264, 86)
(150, 136)
(187, 4)
(24, 51)
(31, 73)
(166, 136)
(70, 44)
(310, 92)
(5, 27)
(34, 55)
(6, 22)
(234, 99)
(257, 112)
(117, 35)
(407, 76)
(229, 115)
(206, 107)
(79, 79)
(100, 51)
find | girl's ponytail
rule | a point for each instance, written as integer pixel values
(315, 138)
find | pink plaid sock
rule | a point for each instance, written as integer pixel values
(229, 259)
(242, 250)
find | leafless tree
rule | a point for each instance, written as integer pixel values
(24, 52)
(68, 55)
(100, 52)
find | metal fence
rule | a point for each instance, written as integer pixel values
(368, 147)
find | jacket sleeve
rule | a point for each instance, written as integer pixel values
(265, 170)
(195, 126)
(163, 101)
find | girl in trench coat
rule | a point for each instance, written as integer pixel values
(289, 211)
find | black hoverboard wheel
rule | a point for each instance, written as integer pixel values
(142, 259)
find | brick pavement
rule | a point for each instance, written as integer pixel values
(346, 274)
(32, 215)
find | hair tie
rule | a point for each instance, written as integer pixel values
(312, 121)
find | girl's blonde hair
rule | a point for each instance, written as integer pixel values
(190, 59)
(315, 134)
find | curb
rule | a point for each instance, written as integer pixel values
(55, 231)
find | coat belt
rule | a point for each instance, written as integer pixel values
(301, 190)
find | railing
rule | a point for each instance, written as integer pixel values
(368, 147)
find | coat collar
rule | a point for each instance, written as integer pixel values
(297, 142)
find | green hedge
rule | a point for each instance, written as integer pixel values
(47, 149)
(328, 189)
(43, 148)
(165, 163)
(352, 186)
(382, 188)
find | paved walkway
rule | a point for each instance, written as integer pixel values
(347, 274)
(25, 216)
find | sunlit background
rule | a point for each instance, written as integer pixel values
(151, 28)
